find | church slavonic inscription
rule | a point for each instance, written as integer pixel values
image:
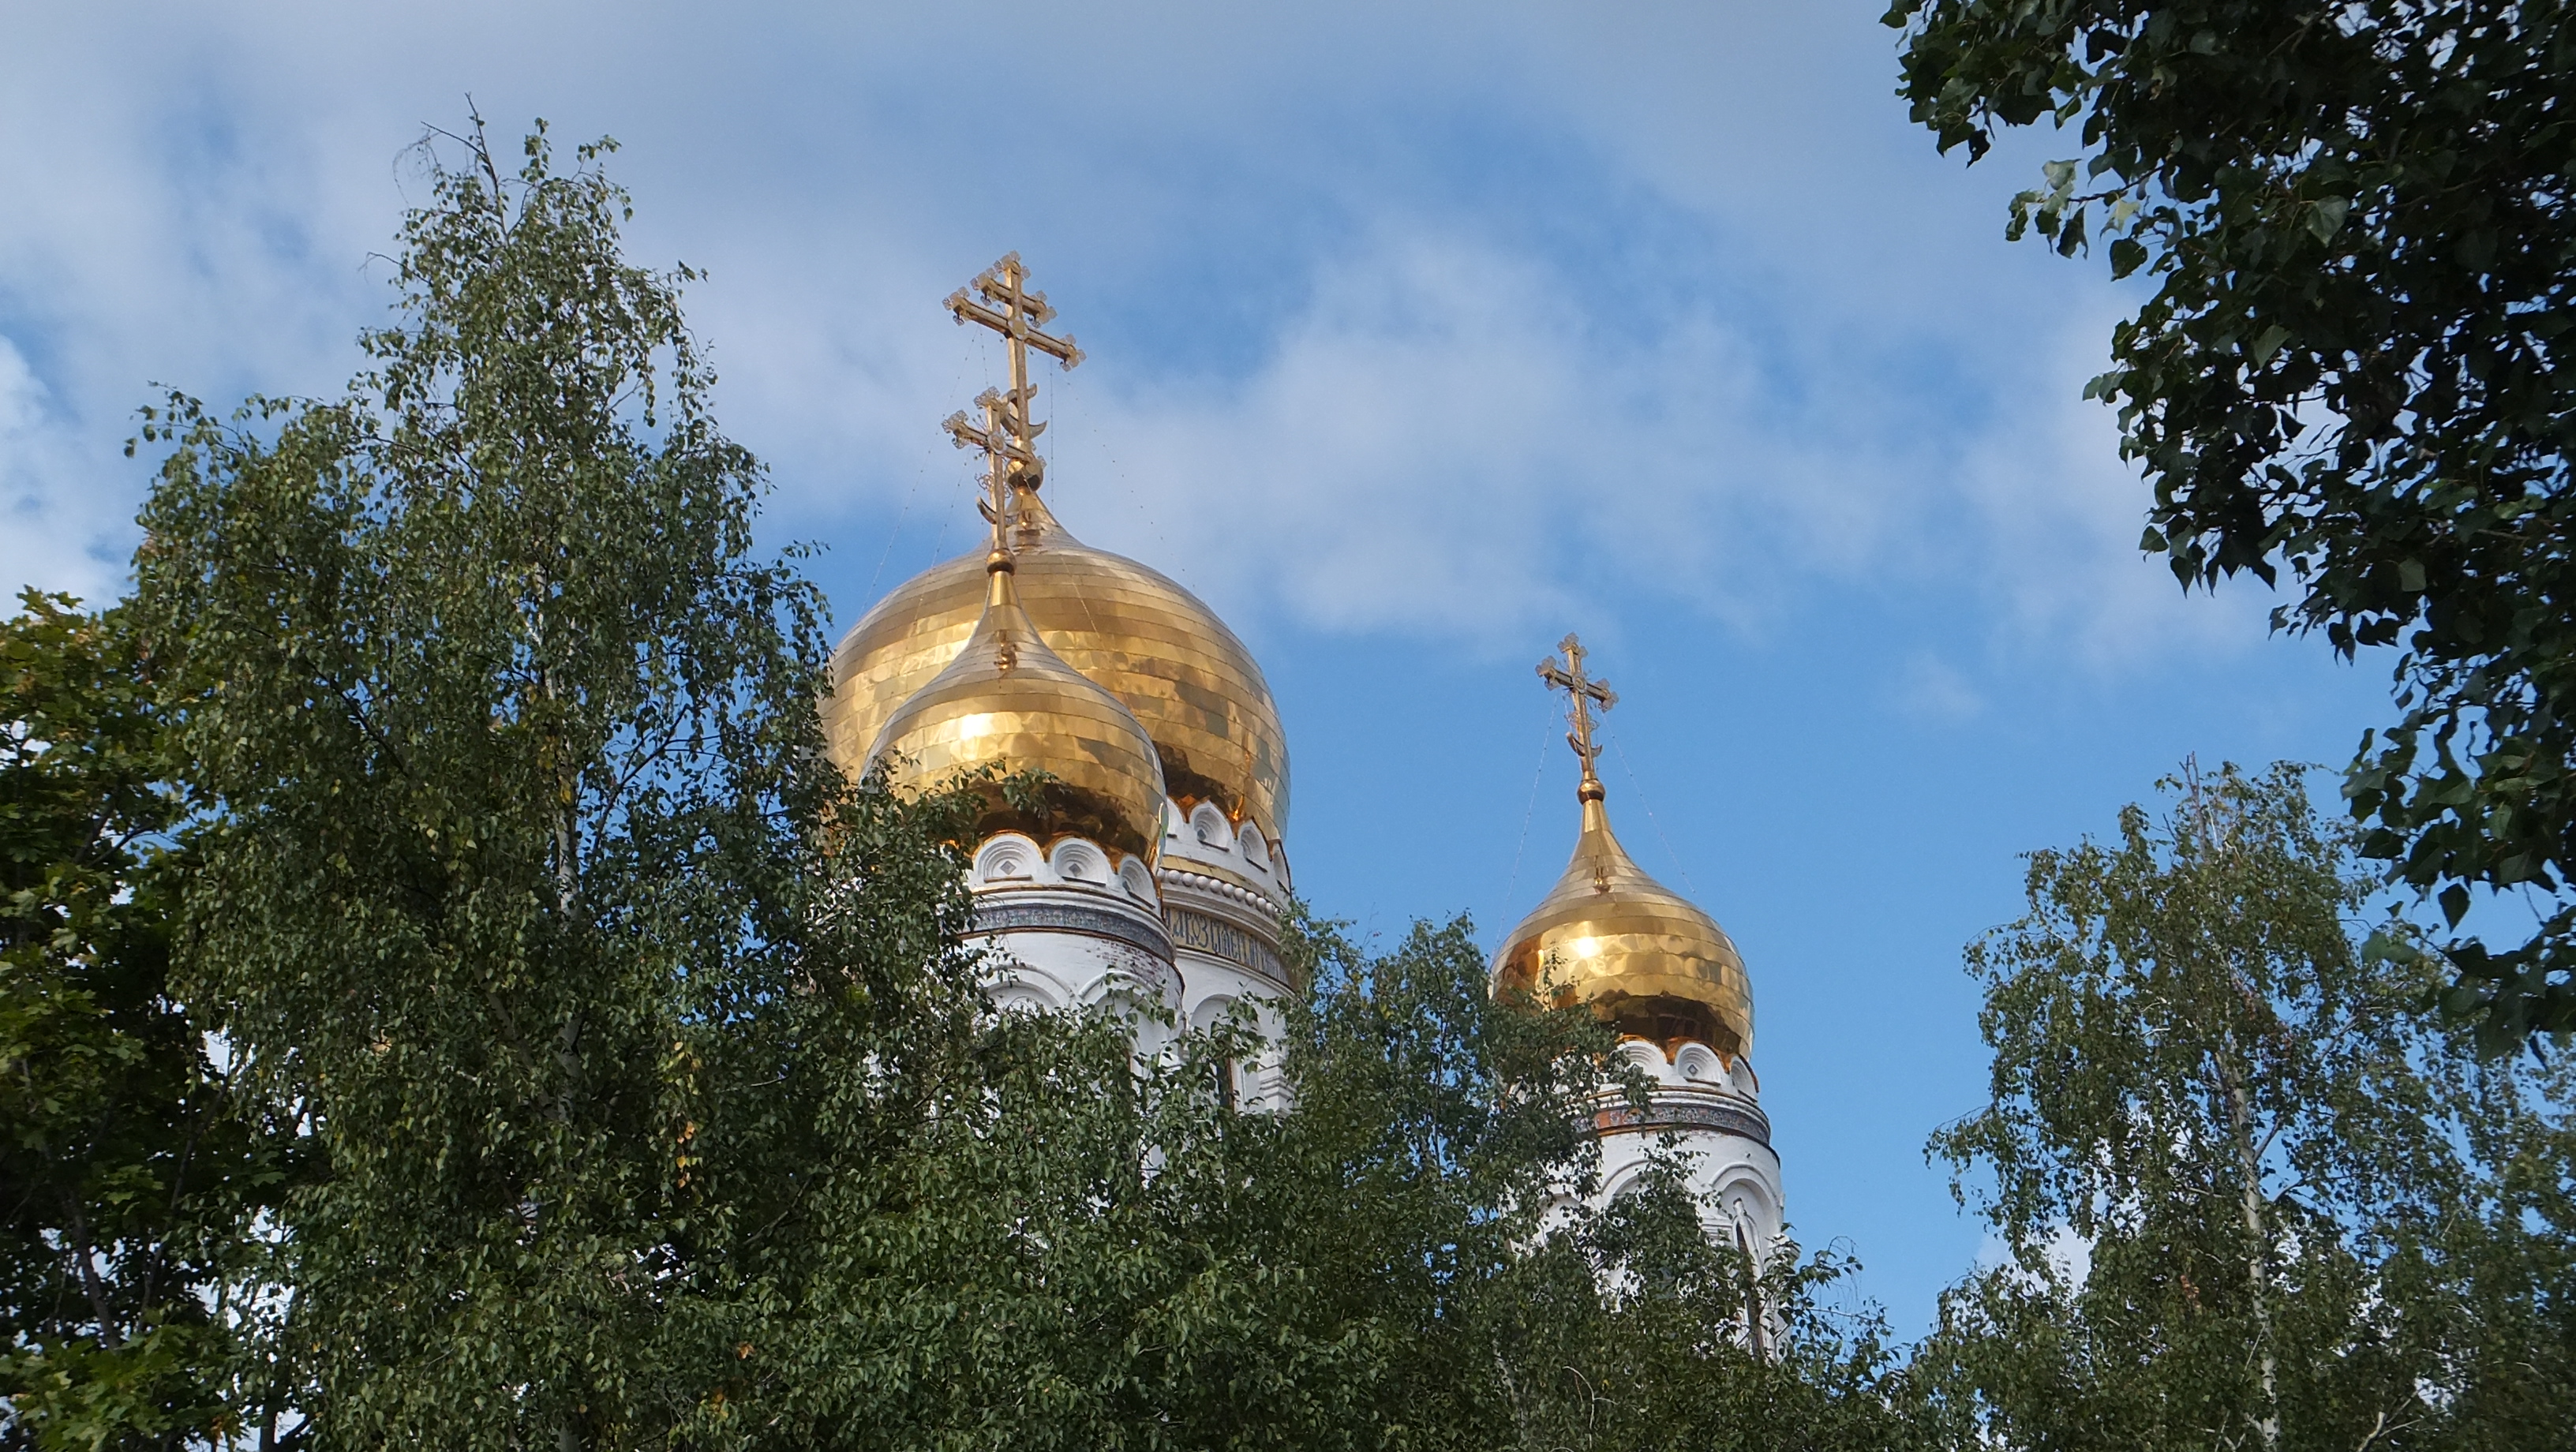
(1220, 939)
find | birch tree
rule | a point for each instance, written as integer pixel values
(509, 774)
(2243, 1191)
(654, 1096)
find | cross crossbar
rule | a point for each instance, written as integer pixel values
(1583, 694)
(1008, 435)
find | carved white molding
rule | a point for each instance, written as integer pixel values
(1010, 862)
(1216, 887)
(1203, 841)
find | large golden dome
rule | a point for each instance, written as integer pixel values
(1004, 700)
(1636, 952)
(1149, 642)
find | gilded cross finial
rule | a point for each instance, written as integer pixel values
(1583, 695)
(1008, 436)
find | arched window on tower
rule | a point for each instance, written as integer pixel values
(1756, 1320)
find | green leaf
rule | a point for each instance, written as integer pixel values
(2325, 217)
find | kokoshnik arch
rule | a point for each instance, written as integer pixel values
(1153, 869)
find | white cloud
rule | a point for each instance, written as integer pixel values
(1932, 689)
(1445, 441)
(1437, 443)
(2058, 519)
(54, 535)
(1507, 317)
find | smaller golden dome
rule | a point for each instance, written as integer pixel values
(1637, 953)
(1008, 702)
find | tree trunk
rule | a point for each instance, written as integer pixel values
(2250, 1204)
(85, 1256)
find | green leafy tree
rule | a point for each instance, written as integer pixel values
(2356, 218)
(1417, 1217)
(1528, 1322)
(1085, 1250)
(1630, 1329)
(2247, 1198)
(513, 788)
(129, 1173)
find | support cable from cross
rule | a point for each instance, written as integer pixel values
(1583, 695)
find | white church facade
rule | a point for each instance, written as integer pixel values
(1154, 869)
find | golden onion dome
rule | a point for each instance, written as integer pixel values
(1006, 701)
(1637, 953)
(1149, 642)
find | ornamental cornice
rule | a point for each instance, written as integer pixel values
(1218, 887)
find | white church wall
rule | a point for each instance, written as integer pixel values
(1223, 888)
(1708, 1109)
(1073, 925)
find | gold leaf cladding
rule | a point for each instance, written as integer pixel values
(1642, 956)
(1007, 702)
(1153, 645)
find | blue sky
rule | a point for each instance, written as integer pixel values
(1419, 336)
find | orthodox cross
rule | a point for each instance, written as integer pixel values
(1007, 436)
(1582, 694)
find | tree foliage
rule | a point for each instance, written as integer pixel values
(2356, 218)
(1428, 1190)
(2248, 1198)
(653, 1091)
(1402, 1260)
(510, 767)
(130, 1174)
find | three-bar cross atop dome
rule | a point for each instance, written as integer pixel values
(1002, 701)
(1150, 644)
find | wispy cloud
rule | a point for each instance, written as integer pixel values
(1456, 347)
(54, 534)
(2058, 517)
(1932, 689)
